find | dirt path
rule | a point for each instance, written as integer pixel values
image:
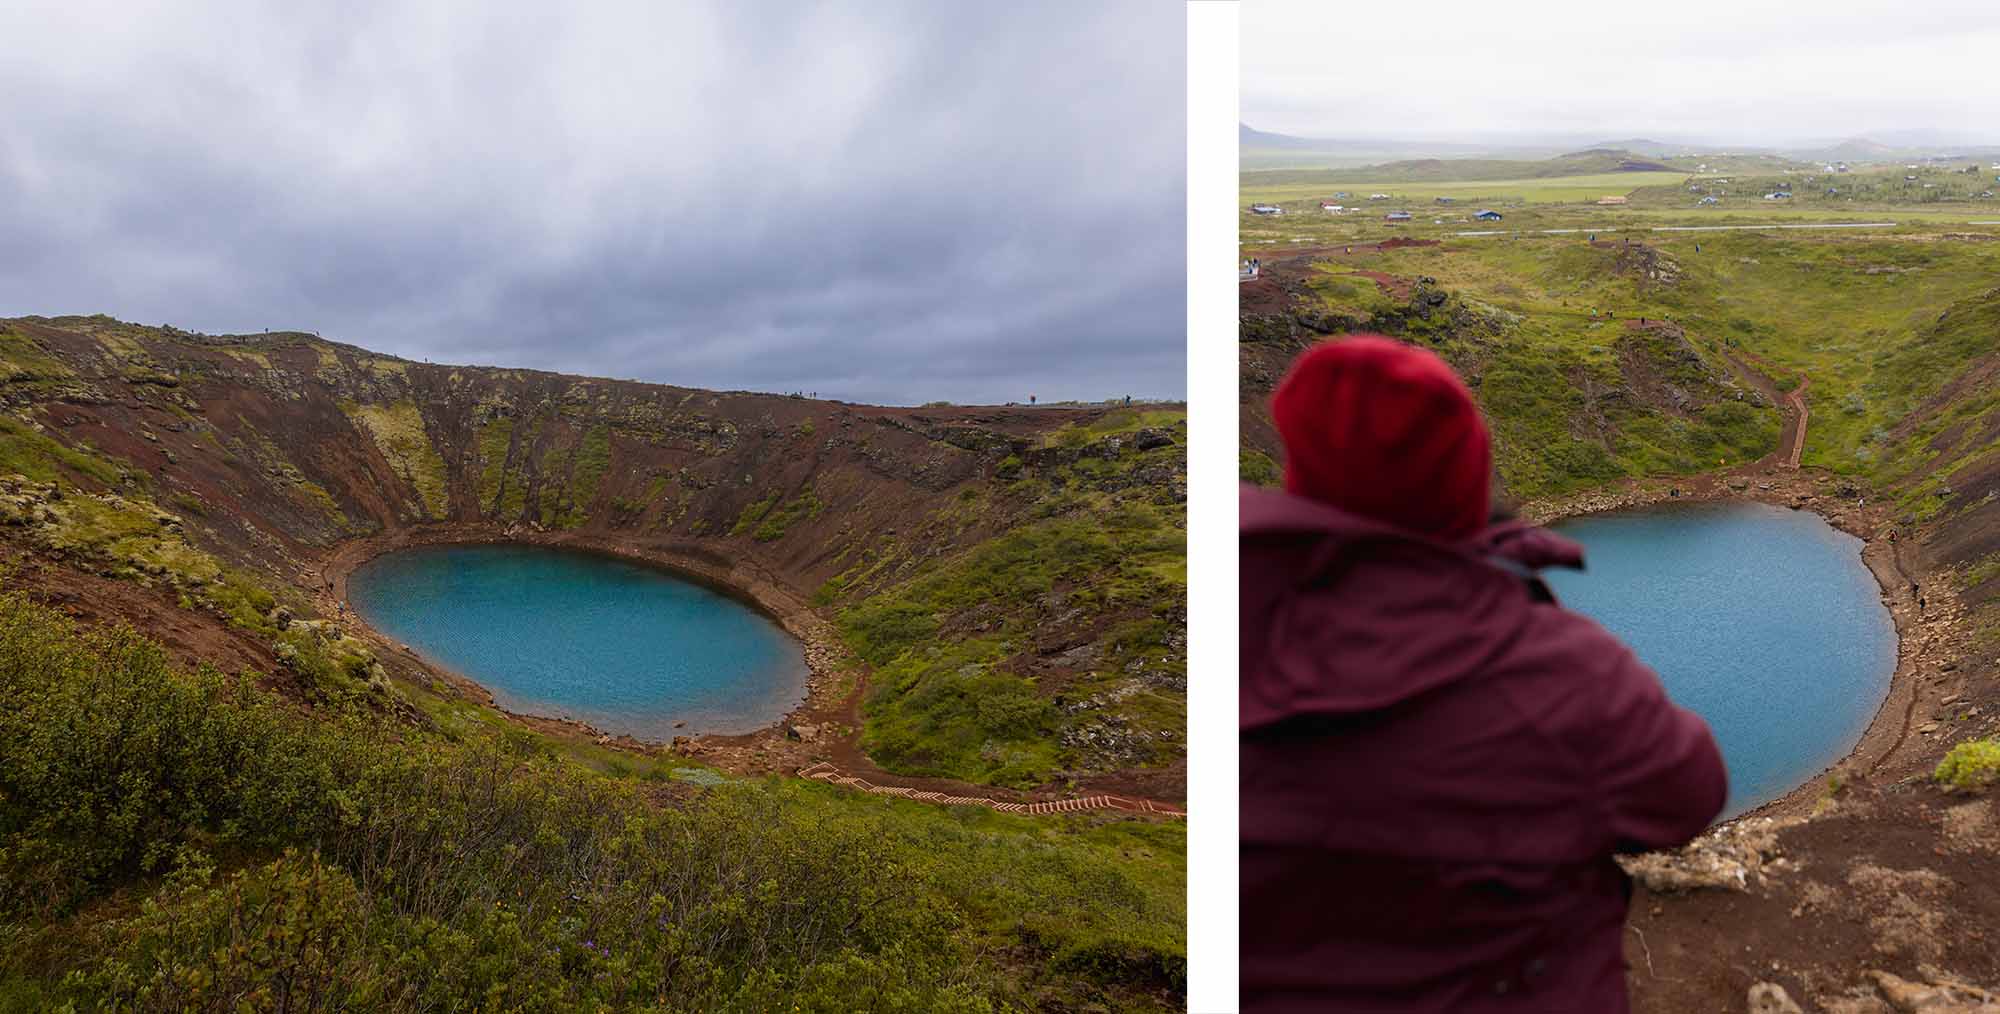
(1797, 399)
(826, 772)
(1792, 437)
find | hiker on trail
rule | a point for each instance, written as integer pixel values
(1031, 399)
(1438, 761)
(1350, 250)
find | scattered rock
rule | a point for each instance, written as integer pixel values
(1771, 998)
(802, 731)
(1943, 995)
(1971, 826)
(1905, 908)
(1147, 439)
(1725, 858)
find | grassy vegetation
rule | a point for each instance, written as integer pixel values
(1877, 322)
(27, 368)
(1310, 188)
(775, 521)
(494, 439)
(570, 477)
(1257, 467)
(173, 840)
(26, 450)
(1655, 201)
(398, 432)
(944, 700)
(1115, 423)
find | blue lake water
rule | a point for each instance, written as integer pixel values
(627, 648)
(1762, 620)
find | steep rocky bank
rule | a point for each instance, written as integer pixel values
(278, 462)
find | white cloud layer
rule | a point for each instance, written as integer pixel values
(1775, 73)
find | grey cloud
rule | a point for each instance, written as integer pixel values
(894, 202)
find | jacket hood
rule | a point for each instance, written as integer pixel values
(1343, 614)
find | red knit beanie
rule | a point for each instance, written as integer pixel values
(1387, 431)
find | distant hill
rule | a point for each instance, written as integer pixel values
(1644, 146)
(1579, 163)
(1263, 150)
(1250, 137)
(1859, 148)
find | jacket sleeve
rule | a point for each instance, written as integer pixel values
(1659, 770)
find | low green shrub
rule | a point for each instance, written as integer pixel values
(1971, 765)
(253, 856)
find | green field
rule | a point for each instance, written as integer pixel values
(1539, 190)
(1937, 196)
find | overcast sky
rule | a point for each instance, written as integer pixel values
(889, 202)
(1743, 73)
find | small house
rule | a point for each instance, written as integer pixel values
(1708, 200)
(1378, 197)
(1332, 209)
(1266, 209)
(1776, 195)
(1909, 179)
(1488, 215)
(1397, 216)
(1340, 195)
(1612, 200)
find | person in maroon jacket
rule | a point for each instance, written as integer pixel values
(1438, 760)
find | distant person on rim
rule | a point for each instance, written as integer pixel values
(1438, 760)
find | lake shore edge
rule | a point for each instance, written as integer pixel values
(1820, 492)
(731, 578)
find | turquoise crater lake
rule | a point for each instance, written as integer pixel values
(1762, 620)
(628, 648)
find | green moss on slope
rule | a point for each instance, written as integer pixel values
(945, 701)
(398, 432)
